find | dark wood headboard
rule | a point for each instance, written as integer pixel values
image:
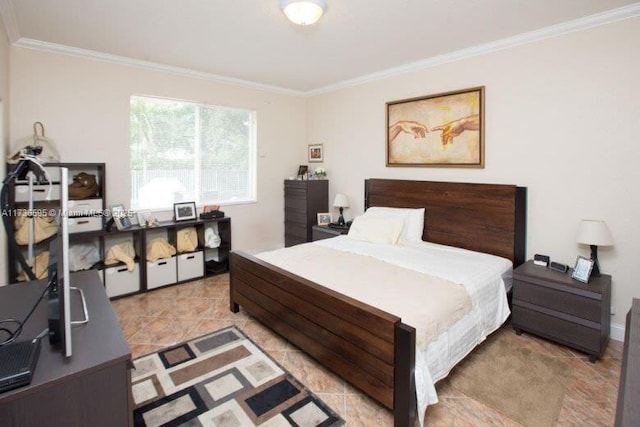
(488, 218)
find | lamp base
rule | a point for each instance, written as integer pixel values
(595, 272)
(341, 219)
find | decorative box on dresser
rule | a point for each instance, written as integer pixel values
(552, 305)
(303, 200)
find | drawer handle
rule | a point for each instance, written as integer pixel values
(191, 257)
(162, 263)
(122, 270)
(39, 190)
(83, 222)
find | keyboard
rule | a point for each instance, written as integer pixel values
(18, 362)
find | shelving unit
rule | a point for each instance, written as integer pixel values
(87, 212)
(182, 267)
(146, 276)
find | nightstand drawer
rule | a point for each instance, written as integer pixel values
(575, 305)
(564, 331)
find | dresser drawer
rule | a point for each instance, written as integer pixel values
(298, 192)
(564, 302)
(291, 215)
(296, 203)
(296, 229)
(290, 240)
(564, 331)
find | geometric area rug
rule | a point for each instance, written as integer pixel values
(222, 379)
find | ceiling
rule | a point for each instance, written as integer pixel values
(252, 42)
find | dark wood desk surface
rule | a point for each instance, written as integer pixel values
(97, 347)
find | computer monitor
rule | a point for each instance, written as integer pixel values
(59, 277)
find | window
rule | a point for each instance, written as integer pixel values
(183, 152)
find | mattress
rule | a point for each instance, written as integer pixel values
(485, 277)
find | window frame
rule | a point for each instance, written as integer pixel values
(252, 169)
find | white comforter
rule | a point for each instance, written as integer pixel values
(485, 277)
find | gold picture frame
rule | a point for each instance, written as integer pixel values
(441, 130)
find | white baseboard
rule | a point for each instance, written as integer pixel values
(617, 332)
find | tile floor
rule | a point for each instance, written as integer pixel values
(168, 316)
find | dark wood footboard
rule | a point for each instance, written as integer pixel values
(368, 347)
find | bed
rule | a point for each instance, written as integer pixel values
(373, 349)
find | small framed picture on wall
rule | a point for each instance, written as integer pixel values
(316, 153)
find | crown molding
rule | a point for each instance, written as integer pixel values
(8, 14)
(580, 24)
(148, 65)
(631, 11)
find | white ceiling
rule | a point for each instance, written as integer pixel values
(252, 41)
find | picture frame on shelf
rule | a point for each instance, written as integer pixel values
(120, 216)
(324, 218)
(582, 270)
(316, 153)
(185, 211)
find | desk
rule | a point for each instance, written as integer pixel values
(93, 386)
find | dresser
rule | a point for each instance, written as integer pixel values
(303, 200)
(553, 305)
(93, 386)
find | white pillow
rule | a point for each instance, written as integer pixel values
(413, 220)
(376, 229)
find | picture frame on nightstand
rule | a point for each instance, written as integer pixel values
(582, 270)
(324, 218)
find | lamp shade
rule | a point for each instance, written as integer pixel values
(341, 201)
(594, 232)
(303, 12)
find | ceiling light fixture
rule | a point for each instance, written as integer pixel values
(303, 12)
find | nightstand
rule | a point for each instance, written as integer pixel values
(320, 232)
(555, 306)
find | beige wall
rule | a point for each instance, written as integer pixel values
(562, 118)
(4, 131)
(84, 105)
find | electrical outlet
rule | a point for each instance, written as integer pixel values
(613, 310)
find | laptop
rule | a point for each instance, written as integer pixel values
(18, 362)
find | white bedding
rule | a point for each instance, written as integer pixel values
(485, 277)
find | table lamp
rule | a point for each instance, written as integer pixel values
(594, 233)
(341, 201)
